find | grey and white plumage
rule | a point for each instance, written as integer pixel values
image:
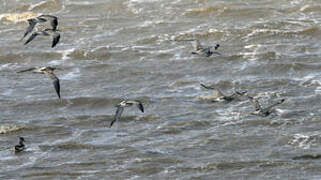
(21, 146)
(122, 105)
(52, 20)
(219, 96)
(204, 51)
(47, 32)
(258, 110)
(48, 71)
(45, 25)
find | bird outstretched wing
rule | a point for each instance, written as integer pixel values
(140, 106)
(26, 70)
(274, 104)
(119, 112)
(33, 35)
(55, 39)
(32, 24)
(255, 103)
(53, 20)
(55, 82)
(196, 45)
(218, 92)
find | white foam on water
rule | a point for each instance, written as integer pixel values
(318, 90)
(9, 66)
(71, 75)
(81, 2)
(36, 5)
(252, 46)
(55, 62)
(66, 53)
(302, 141)
(143, 1)
(7, 92)
(316, 82)
(96, 49)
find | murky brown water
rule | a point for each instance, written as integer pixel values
(121, 49)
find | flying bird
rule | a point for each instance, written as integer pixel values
(122, 105)
(204, 51)
(21, 146)
(219, 96)
(53, 23)
(45, 25)
(258, 110)
(48, 71)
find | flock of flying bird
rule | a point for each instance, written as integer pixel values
(46, 25)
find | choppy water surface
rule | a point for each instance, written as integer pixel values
(121, 49)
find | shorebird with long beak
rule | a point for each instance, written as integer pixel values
(219, 96)
(49, 71)
(45, 25)
(21, 146)
(258, 110)
(122, 105)
(204, 51)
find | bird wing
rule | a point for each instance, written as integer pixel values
(25, 70)
(217, 91)
(53, 20)
(55, 39)
(33, 35)
(196, 45)
(57, 87)
(215, 48)
(206, 87)
(55, 81)
(41, 19)
(140, 106)
(29, 29)
(206, 52)
(240, 93)
(19, 148)
(137, 103)
(119, 112)
(274, 104)
(255, 103)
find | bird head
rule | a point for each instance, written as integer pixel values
(47, 68)
(21, 139)
(31, 20)
(241, 93)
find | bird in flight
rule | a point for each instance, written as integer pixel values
(219, 96)
(45, 25)
(204, 51)
(48, 71)
(21, 146)
(122, 105)
(258, 110)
